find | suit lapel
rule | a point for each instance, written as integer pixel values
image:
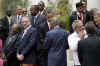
(27, 33)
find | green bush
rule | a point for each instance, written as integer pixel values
(63, 8)
(13, 3)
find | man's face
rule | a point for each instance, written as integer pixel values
(19, 10)
(97, 19)
(41, 7)
(9, 13)
(80, 9)
(49, 17)
(84, 5)
(25, 22)
(79, 27)
(33, 12)
(24, 11)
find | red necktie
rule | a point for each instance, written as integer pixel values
(81, 16)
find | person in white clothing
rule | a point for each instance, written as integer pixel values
(73, 39)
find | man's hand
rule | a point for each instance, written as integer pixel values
(20, 57)
(81, 34)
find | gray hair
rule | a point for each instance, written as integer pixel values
(55, 21)
(75, 23)
(97, 12)
(26, 17)
(90, 28)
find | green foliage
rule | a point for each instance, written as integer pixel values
(13, 3)
(64, 11)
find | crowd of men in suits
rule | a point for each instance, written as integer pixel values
(35, 39)
(84, 38)
(38, 39)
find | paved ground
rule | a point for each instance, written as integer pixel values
(69, 58)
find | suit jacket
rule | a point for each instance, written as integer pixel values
(88, 51)
(11, 46)
(40, 23)
(56, 42)
(38, 20)
(1, 61)
(10, 50)
(14, 20)
(4, 28)
(28, 48)
(44, 12)
(74, 16)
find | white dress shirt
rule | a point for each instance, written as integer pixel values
(73, 44)
(78, 15)
(9, 19)
(49, 25)
(19, 18)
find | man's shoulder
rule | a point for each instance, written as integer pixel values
(73, 34)
(74, 12)
(57, 31)
(14, 17)
(33, 29)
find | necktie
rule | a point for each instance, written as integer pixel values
(32, 20)
(81, 16)
(18, 19)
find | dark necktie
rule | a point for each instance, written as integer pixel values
(18, 19)
(32, 20)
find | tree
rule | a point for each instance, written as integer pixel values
(64, 10)
(13, 3)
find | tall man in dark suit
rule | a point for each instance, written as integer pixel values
(76, 15)
(38, 19)
(89, 48)
(39, 22)
(27, 51)
(7, 19)
(4, 30)
(42, 8)
(7, 22)
(56, 42)
(86, 13)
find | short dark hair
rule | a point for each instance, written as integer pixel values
(90, 28)
(79, 4)
(41, 3)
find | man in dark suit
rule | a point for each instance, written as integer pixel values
(38, 19)
(7, 19)
(7, 22)
(88, 48)
(86, 13)
(56, 42)
(42, 8)
(10, 47)
(17, 18)
(81, 14)
(4, 31)
(27, 51)
(76, 15)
